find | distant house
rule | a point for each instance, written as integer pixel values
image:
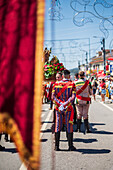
(97, 62)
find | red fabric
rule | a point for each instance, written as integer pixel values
(17, 54)
(110, 58)
(103, 85)
(50, 90)
(107, 67)
(83, 98)
(101, 75)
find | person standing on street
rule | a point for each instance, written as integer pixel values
(111, 89)
(63, 95)
(59, 78)
(82, 101)
(50, 93)
(74, 107)
(103, 90)
(94, 86)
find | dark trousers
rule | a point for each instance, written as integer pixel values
(75, 113)
(51, 104)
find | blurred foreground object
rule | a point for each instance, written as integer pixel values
(21, 75)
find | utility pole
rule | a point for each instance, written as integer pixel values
(79, 65)
(86, 61)
(104, 54)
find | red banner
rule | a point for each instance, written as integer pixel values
(18, 45)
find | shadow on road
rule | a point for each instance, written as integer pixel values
(12, 150)
(46, 131)
(95, 131)
(43, 140)
(46, 122)
(102, 132)
(82, 140)
(89, 151)
(44, 110)
(85, 140)
(93, 151)
(93, 124)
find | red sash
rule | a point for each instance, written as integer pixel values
(70, 108)
(63, 89)
(83, 98)
(81, 90)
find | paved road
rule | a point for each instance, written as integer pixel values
(9, 158)
(94, 151)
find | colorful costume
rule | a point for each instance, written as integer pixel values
(63, 95)
(112, 92)
(82, 101)
(50, 93)
(66, 98)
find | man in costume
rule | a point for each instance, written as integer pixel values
(63, 95)
(58, 78)
(74, 107)
(82, 101)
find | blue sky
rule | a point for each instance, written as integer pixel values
(71, 41)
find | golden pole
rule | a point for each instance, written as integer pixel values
(39, 62)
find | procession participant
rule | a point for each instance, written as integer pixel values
(76, 76)
(83, 91)
(111, 88)
(108, 95)
(63, 95)
(50, 93)
(74, 107)
(103, 90)
(94, 86)
(66, 80)
(44, 93)
(47, 89)
(98, 87)
(58, 78)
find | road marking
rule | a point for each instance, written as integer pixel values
(42, 115)
(45, 124)
(106, 106)
(23, 167)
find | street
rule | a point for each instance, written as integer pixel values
(93, 150)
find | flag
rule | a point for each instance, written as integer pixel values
(21, 75)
